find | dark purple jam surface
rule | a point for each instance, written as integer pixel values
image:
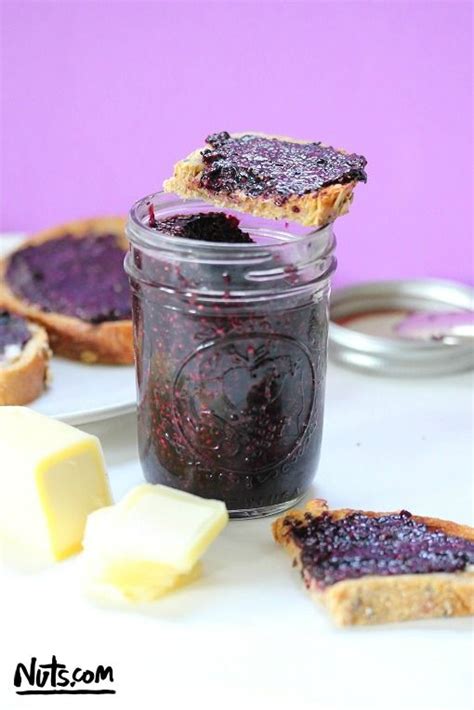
(358, 545)
(13, 331)
(266, 167)
(80, 277)
(215, 227)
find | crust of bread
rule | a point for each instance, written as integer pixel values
(380, 599)
(313, 209)
(25, 379)
(109, 342)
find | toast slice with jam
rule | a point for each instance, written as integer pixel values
(270, 176)
(71, 281)
(24, 360)
(371, 568)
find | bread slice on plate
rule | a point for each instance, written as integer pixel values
(371, 568)
(270, 176)
(78, 328)
(24, 366)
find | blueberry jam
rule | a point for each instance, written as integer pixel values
(80, 277)
(13, 331)
(266, 167)
(205, 226)
(230, 367)
(359, 545)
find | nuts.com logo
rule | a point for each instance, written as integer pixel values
(55, 679)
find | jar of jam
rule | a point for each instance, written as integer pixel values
(230, 317)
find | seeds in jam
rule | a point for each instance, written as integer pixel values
(358, 545)
(13, 331)
(231, 394)
(266, 167)
(79, 277)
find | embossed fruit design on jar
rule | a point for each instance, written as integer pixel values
(230, 322)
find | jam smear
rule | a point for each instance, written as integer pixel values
(151, 217)
(359, 545)
(13, 331)
(216, 227)
(267, 167)
(79, 277)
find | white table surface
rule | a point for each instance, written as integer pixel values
(247, 632)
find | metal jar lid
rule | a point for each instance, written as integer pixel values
(375, 351)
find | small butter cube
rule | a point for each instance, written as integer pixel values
(150, 542)
(52, 476)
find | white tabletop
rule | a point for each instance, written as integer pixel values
(247, 632)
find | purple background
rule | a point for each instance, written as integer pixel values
(100, 98)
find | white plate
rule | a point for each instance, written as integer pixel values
(87, 393)
(82, 393)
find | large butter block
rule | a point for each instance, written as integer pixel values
(150, 542)
(52, 476)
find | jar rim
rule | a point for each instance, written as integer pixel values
(141, 234)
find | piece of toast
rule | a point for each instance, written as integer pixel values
(315, 208)
(26, 377)
(375, 599)
(108, 342)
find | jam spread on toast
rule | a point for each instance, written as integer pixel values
(78, 277)
(272, 168)
(13, 331)
(358, 545)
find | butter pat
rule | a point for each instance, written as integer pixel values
(150, 542)
(52, 476)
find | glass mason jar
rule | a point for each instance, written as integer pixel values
(230, 343)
